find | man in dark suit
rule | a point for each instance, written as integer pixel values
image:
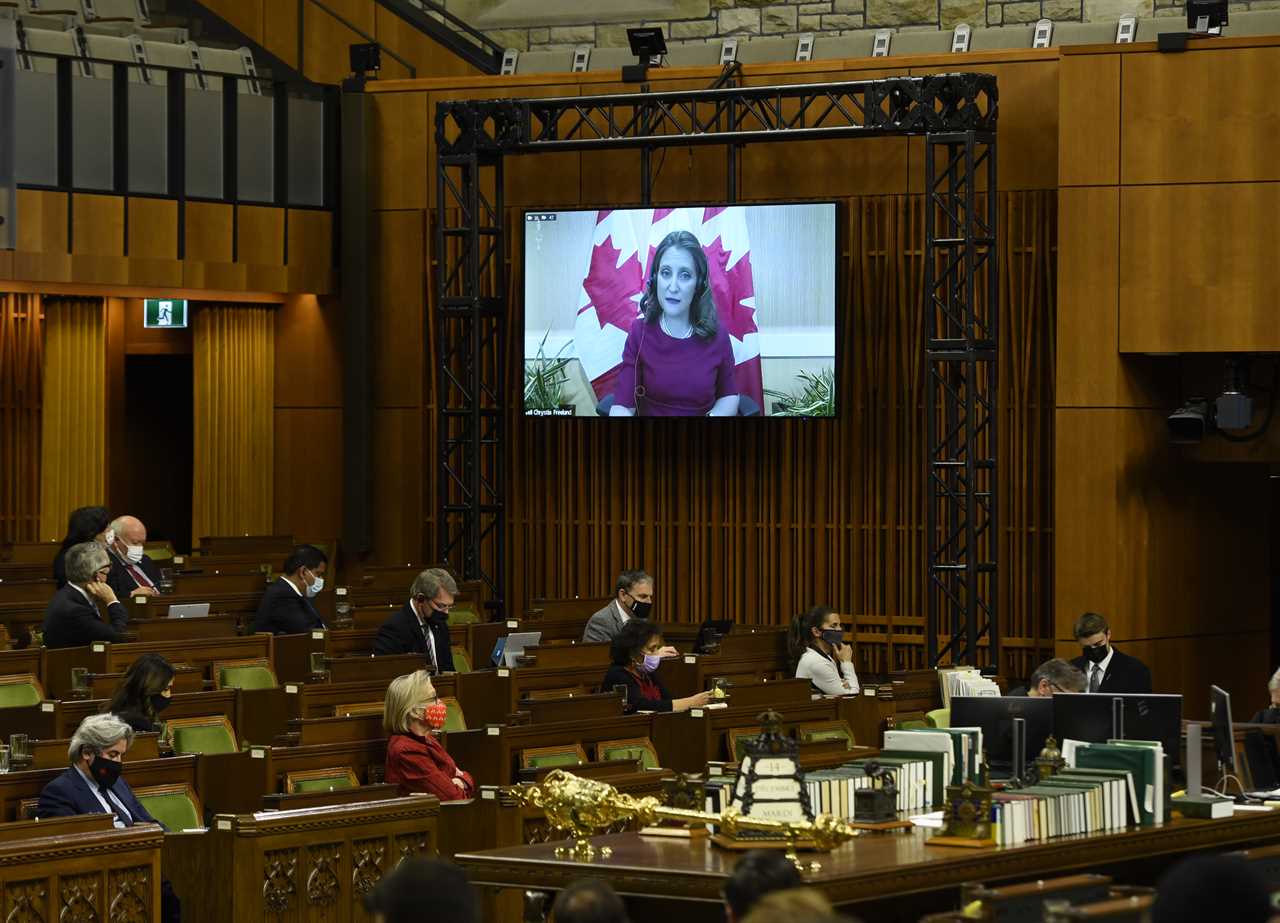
(94, 785)
(286, 605)
(421, 626)
(632, 599)
(1105, 668)
(133, 573)
(71, 619)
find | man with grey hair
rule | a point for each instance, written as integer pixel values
(71, 618)
(1056, 675)
(422, 625)
(1270, 714)
(132, 572)
(632, 599)
(93, 784)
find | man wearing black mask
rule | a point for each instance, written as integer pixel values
(632, 599)
(422, 625)
(1105, 668)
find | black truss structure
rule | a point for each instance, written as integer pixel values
(955, 113)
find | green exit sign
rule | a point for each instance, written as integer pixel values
(164, 312)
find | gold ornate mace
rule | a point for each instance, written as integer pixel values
(580, 807)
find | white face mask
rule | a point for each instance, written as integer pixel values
(316, 587)
(134, 553)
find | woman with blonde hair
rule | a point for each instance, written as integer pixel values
(416, 760)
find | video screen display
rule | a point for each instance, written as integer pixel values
(681, 312)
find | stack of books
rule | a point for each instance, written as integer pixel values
(964, 681)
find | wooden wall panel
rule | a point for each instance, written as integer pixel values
(308, 472)
(399, 309)
(310, 236)
(43, 251)
(400, 150)
(97, 238)
(245, 15)
(1220, 124)
(428, 57)
(1198, 268)
(1162, 546)
(326, 43)
(1089, 119)
(398, 463)
(140, 340)
(260, 235)
(153, 229)
(308, 352)
(280, 29)
(208, 232)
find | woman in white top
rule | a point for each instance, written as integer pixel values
(820, 654)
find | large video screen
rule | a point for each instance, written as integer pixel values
(701, 311)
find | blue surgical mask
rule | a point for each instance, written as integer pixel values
(314, 588)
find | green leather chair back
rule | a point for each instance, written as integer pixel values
(13, 695)
(327, 784)
(939, 718)
(811, 735)
(246, 678)
(461, 660)
(464, 614)
(173, 809)
(543, 760)
(208, 738)
(632, 752)
(454, 719)
(915, 724)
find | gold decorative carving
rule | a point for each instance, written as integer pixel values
(366, 864)
(278, 888)
(131, 895)
(322, 881)
(79, 898)
(24, 902)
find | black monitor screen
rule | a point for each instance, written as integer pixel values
(1220, 710)
(1203, 15)
(995, 714)
(1088, 716)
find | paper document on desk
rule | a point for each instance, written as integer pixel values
(932, 819)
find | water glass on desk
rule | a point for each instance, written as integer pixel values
(165, 583)
(19, 750)
(4, 757)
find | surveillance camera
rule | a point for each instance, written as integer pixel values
(1189, 423)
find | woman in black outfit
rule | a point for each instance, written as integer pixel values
(143, 693)
(636, 658)
(83, 525)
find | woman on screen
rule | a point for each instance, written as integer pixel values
(677, 361)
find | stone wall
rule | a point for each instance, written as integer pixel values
(551, 25)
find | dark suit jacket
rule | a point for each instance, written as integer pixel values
(653, 698)
(1124, 673)
(60, 567)
(122, 582)
(70, 620)
(69, 794)
(284, 612)
(400, 634)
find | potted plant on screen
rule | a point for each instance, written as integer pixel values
(545, 378)
(814, 397)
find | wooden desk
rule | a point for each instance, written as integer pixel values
(885, 877)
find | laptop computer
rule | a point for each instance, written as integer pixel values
(189, 611)
(508, 648)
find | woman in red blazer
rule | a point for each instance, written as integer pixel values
(416, 760)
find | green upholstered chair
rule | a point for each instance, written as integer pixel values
(454, 719)
(320, 780)
(739, 738)
(543, 757)
(815, 731)
(913, 724)
(202, 734)
(635, 748)
(20, 689)
(464, 613)
(244, 674)
(939, 718)
(461, 659)
(175, 806)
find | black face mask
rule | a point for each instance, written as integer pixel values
(434, 618)
(1096, 654)
(640, 610)
(104, 771)
(159, 703)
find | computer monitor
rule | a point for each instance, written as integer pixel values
(710, 633)
(511, 646)
(995, 714)
(1091, 716)
(1223, 732)
(189, 611)
(1206, 17)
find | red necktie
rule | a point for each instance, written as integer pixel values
(138, 576)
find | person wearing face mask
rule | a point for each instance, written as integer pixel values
(71, 618)
(286, 607)
(133, 573)
(416, 760)
(93, 784)
(86, 524)
(143, 693)
(637, 653)
(1270, 714)
(1105, 668)
(677, 360)
(632, 599)
(422, 625)
(819, 654)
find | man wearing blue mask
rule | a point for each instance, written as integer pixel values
(1105, 668)
(286, 607)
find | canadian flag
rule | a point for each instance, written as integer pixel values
(622, 251)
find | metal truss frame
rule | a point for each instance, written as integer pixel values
(955, 113)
